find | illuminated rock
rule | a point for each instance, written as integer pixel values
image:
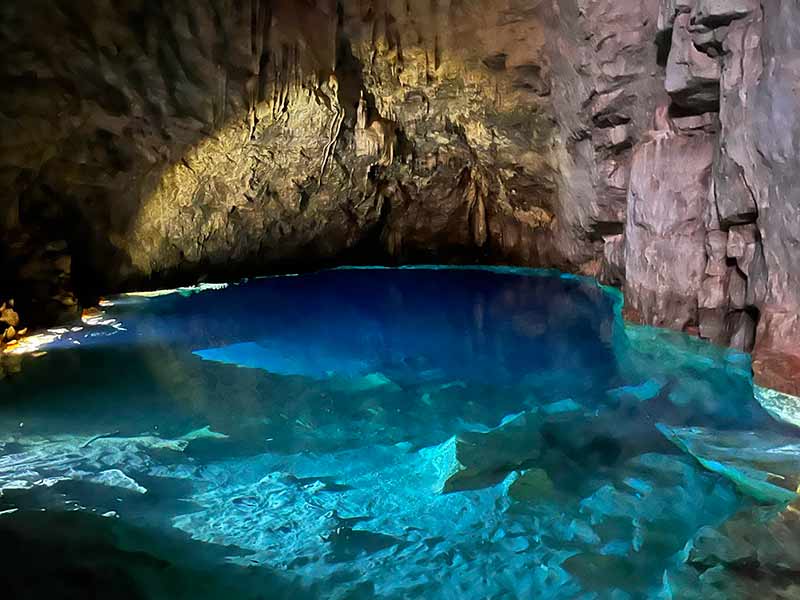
(763, 465)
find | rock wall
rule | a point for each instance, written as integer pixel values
(713, 218)
(606, 85)
(649, 143)
(146, 143)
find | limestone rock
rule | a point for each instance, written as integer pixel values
(480, 459)
(783, 407)
(216, 140)
(751, 555)
(692, 78)
(532, 486)
(255, 137)
(605, 90)
(665, 235)
(669, 10)
(716, 13)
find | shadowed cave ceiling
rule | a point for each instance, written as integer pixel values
(649, 143)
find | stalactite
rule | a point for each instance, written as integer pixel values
(336, 125)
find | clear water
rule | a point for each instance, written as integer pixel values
(365, 433)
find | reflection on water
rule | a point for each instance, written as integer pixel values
(441, 433)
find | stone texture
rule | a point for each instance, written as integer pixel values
(606, 86)
(692, 78)
(717, 13)
(737, 57)
(751, 555)
(150, 144)
(185, 140)
(665, 236)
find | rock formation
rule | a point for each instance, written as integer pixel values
(646, 142)
(728, 73)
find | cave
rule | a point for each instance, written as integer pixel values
(400, 299)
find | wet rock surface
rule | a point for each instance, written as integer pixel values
(751, 555)
(764, 466)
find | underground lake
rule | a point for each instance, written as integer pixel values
(423, 432)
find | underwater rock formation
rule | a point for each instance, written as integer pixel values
(762, 466)
(751, 555)
(648, 143)
(523, 462)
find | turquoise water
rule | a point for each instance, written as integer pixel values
(374, 433)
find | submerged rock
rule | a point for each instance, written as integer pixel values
(754, 554)
(204, 433)
(783, 407)
(763, 465)
(291, 357)
(567, 405)
(100, 459)
(481, 459)
(574, 497)
(601, 572)
(532, 486)
(642, 392)
(118, 479)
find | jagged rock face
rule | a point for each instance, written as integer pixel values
(465, 90)
(665, 241)
(649, 143)
(171, 140)
(606, 86)
(738, 59)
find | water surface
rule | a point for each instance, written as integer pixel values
(376, 433)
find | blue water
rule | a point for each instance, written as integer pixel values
(370, 433)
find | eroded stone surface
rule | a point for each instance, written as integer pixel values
(737, 55)
(752, 555)
(692, 78)
(147, 144)
(665, 235)
(213, 139)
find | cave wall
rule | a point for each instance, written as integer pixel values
(649, 143)
(713, 213)
(149, 143)
(606, 84)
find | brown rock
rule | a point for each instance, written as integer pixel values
(692, 76)
(665, 235)
(778, 371)
(9, 316)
